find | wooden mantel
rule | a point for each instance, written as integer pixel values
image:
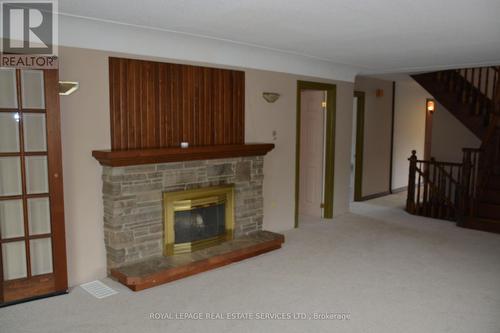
(116, 158)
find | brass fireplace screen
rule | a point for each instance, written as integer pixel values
(199, 218)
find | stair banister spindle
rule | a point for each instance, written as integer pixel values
(487, 83)
(479, 100)
(495, 90)
(492, 79)
(465, 181)
(442, 202)
(465, 89)
(426, 192)
(439, 190)
(469, 86)
(458, 81)
(419, 182)
(468, 171)
(432, 167)
(473, 94)
(453, 80)
(475, 174)
(474, 84)
(463, 86)
(448, 193)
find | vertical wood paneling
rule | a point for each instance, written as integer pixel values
(234, 100)
(159, 105)
(162, 111)
(227, 107)
(177, 96)
(208, 107)
(190, 128)
(239, 101)
(127, 107)
(218, 108)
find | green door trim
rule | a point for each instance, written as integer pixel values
(360, 137)
(331, 106)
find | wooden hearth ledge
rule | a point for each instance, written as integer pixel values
(119, 158)
(160, 270)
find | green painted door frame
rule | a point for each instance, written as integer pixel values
(331, 106)
(360, 137)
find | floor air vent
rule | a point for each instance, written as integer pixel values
(98, 289)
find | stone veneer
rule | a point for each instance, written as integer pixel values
(133, 201)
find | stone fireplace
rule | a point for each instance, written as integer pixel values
(182, 191)
(134, 206)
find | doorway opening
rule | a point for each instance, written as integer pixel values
(358, 128)
(315, 151)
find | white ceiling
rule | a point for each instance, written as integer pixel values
(376, 36)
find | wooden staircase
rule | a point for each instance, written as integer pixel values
(467, 192)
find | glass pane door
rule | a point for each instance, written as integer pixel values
(26, 226)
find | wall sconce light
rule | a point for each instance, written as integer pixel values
(270, 97)
(430, 105)
(379, 92)
(67, 87)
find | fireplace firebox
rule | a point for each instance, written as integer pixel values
(198, 218)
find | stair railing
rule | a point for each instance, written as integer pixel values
(433, 188)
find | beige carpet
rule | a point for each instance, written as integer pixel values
(389, 271)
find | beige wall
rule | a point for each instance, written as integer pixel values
(377, 134)
(409, 128)
(449, 136)
(85, 127)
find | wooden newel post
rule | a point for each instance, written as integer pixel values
(410, 201)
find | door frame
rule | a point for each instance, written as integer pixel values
(328, 179)
(360, 137)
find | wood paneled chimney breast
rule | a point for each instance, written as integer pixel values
(160, 105)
